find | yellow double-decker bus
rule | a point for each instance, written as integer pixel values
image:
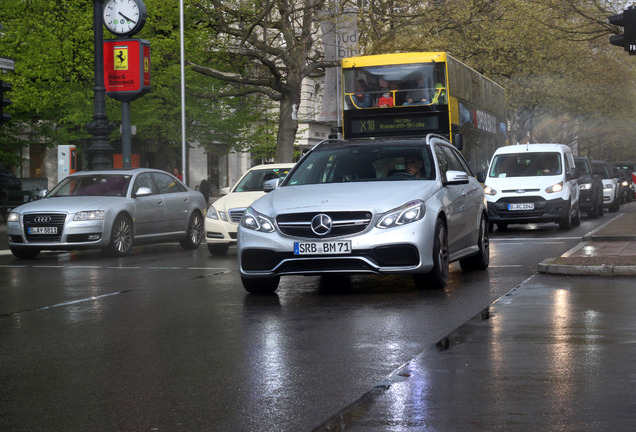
(420, 93)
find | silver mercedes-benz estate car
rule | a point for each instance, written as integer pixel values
(368, 206)
(109, 210)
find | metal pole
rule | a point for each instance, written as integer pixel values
(100, 150)
(183, 123)
(126, 141)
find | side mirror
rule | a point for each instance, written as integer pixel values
(42, 193)
(456, 178)
(224, 191)
(270, 185)
(143, 191)
(481, 177)
(575, 173)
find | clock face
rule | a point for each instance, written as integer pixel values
(124, 17)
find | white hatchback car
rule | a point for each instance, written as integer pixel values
(384, 206)
(224, 214)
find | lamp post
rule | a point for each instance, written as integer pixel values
(100, 150)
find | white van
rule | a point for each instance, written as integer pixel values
(532, 183)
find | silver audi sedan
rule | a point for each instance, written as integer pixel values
(110, 210)
(368, 206)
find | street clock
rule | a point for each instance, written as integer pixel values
(124, 18)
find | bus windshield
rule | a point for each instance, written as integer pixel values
(394, 85)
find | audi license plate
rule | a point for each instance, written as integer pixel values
(322, 248)
(526, 206)
(43, 230)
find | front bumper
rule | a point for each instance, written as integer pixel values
(586, 200)
(220, 232)
(544, 210)
(69, 234)
(405, 249)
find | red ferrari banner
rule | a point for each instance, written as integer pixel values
(126, 68)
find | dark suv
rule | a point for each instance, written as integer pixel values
(590, 187)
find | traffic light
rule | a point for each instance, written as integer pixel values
(4, 102)
(627, 20)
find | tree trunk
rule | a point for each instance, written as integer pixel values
(287, 125)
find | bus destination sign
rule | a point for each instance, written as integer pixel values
(394, 125)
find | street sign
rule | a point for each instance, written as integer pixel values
(7, 64)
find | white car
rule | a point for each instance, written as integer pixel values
(224, 214)
(384, 206)
(533, 183)
(611, 191)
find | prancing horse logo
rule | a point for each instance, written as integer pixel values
(321, 224)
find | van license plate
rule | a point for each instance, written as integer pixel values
(526, 206)
(322, 248)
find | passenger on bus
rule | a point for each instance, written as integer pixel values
(386, 100)
(361, 98)
(419, 96)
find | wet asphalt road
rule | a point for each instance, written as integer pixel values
(166, 339)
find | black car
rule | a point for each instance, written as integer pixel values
(590, 187)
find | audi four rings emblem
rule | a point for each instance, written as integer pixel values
(42, 219)
(321, 224)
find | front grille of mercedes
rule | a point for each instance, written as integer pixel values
(345, 223)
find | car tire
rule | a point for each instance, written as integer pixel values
(438, 276)
(121, 237)
(218, 249)
(194, 234)
(481, 260)
(265, 285)
(617, 204)
(24, 253)
(566, 223)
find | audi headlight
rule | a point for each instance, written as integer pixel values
(555, 188)
(409, 212)
(89, 215)
(608, 186)
(13, 217)
(256, 221)
(585, 186)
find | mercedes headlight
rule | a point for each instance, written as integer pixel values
(256, 221)
(409, 212)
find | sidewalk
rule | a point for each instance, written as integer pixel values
(610, 250)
